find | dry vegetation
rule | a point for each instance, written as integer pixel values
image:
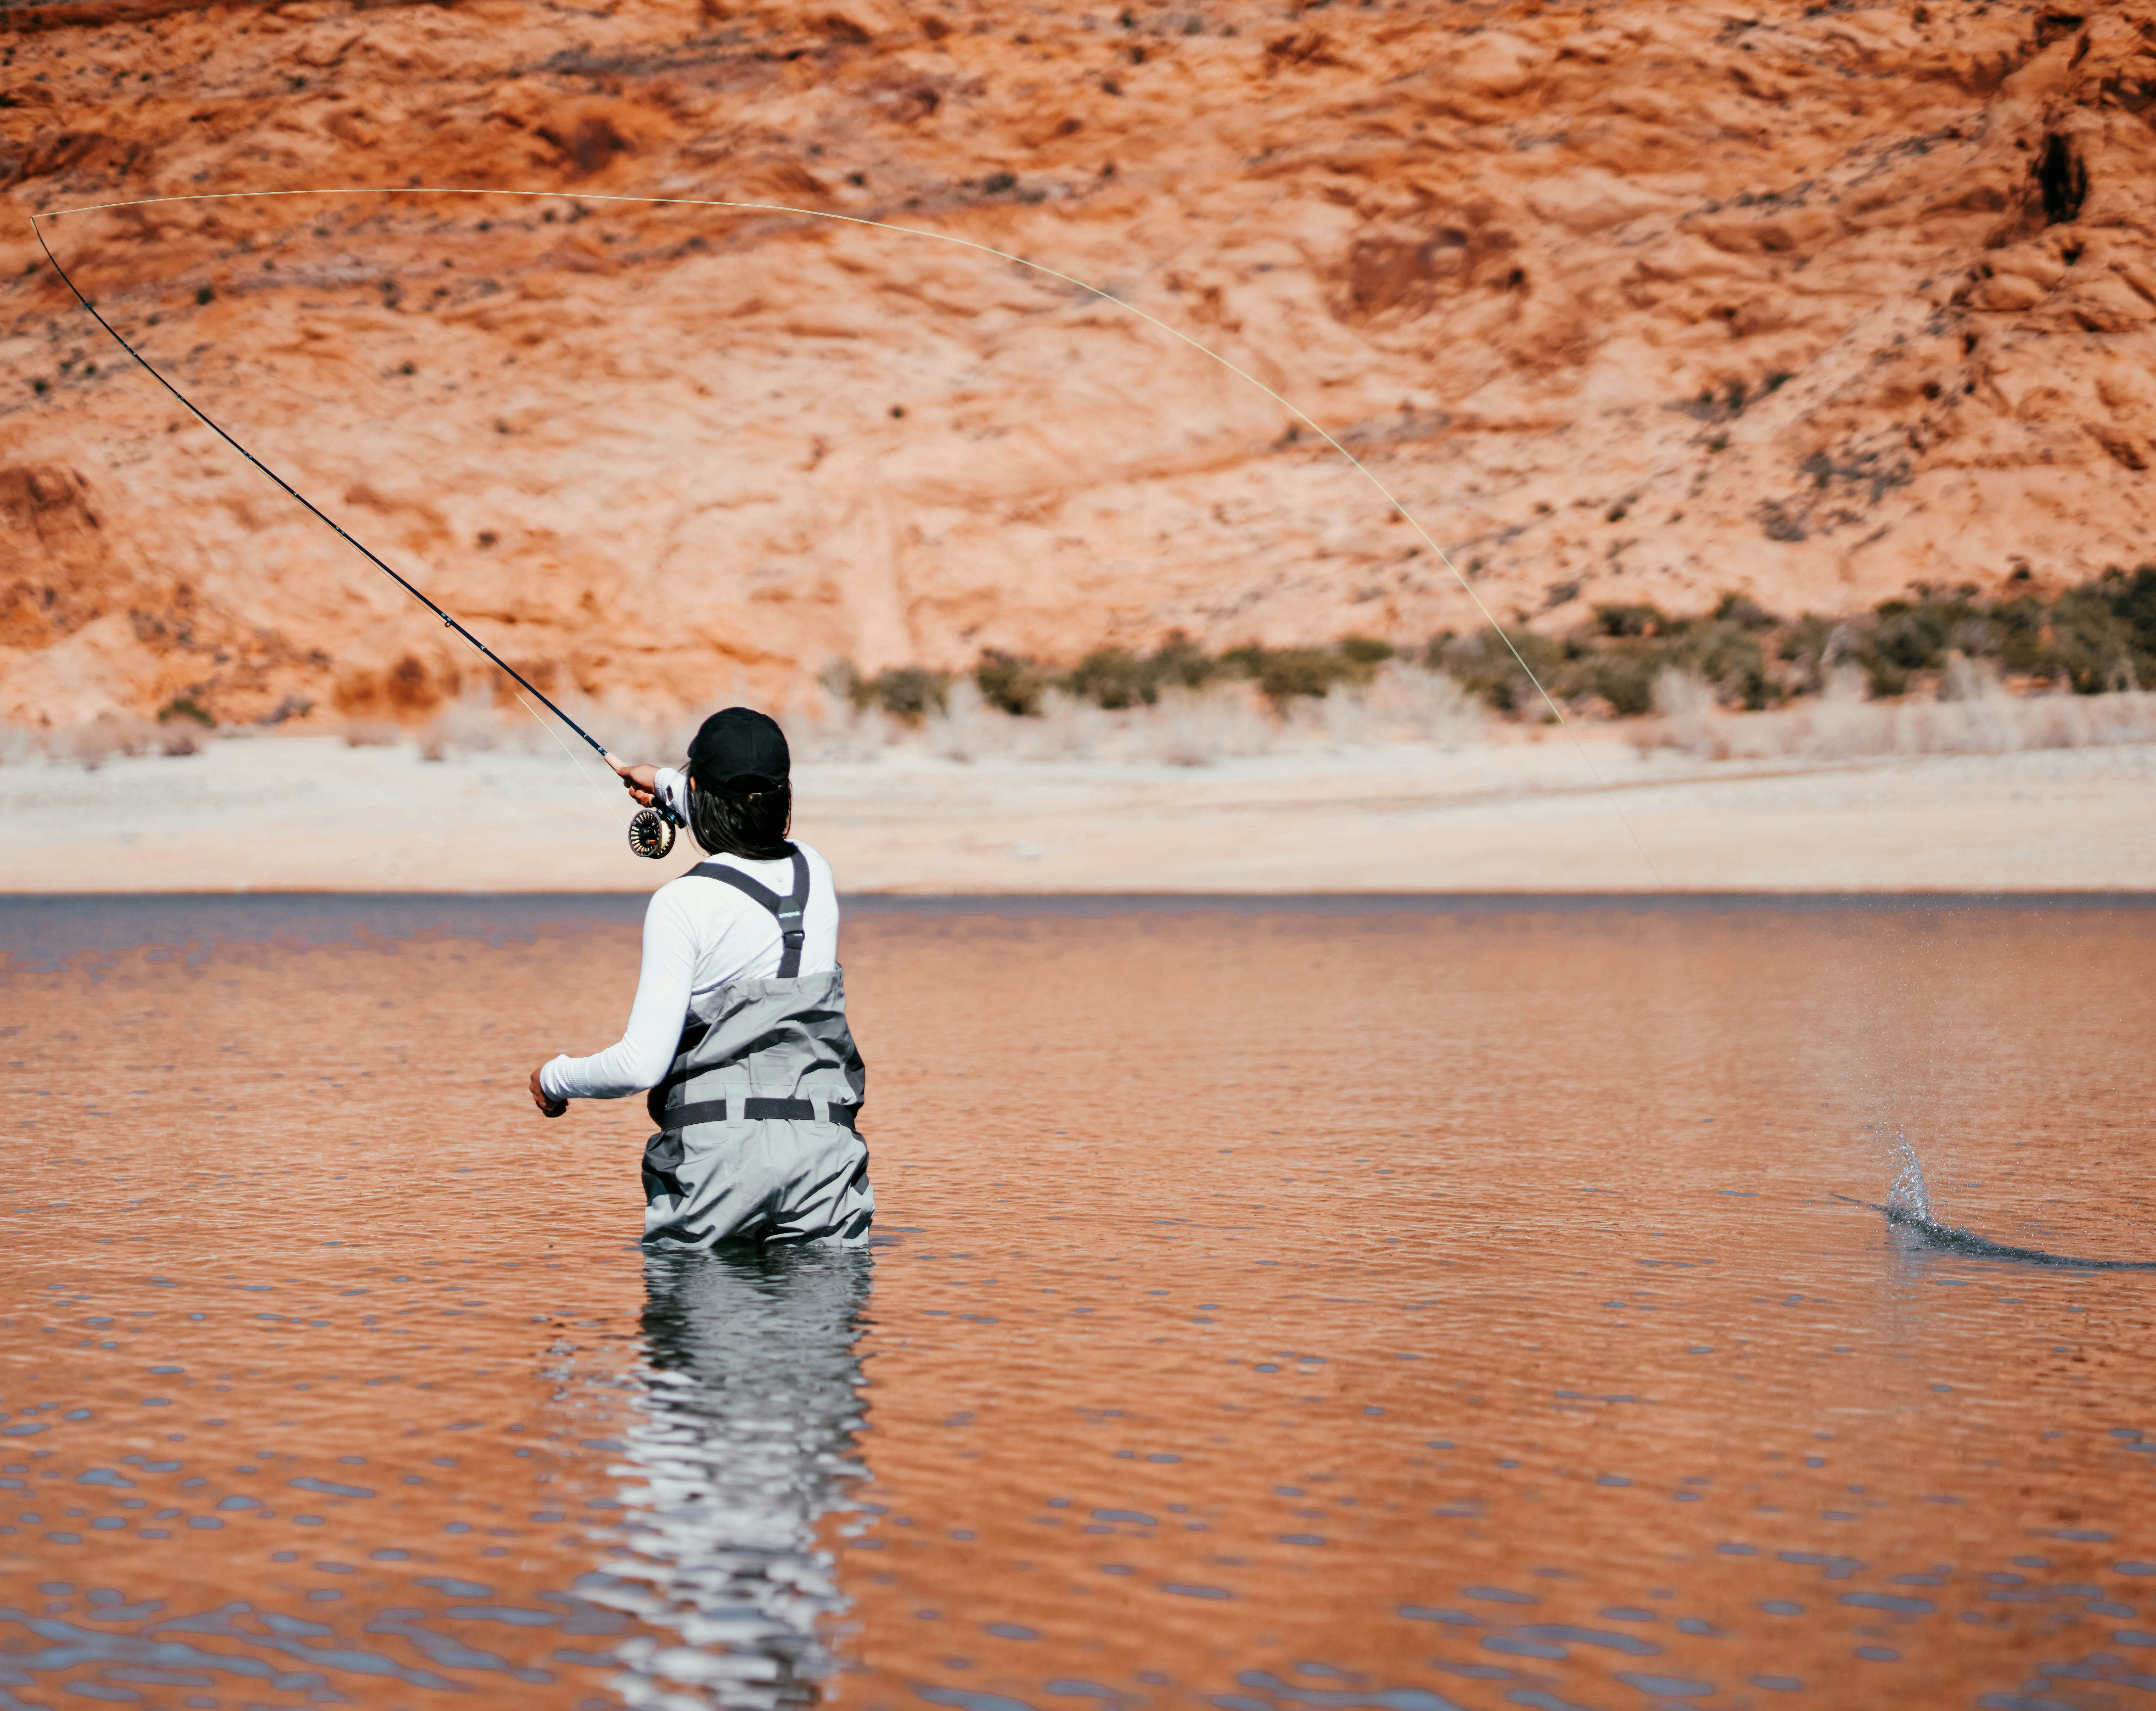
(1940, 672)
(1399, 704)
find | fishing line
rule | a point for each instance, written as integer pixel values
(1243, 374)
(556, 736)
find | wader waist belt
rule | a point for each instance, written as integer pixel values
(751, 1110)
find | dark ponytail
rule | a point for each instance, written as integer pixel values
(752, 826)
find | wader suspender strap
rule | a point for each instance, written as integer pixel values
(788, 909)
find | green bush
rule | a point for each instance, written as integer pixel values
(907, 692)
(2104, 632)
(1180, 663)
(1726, 653)
(1912, 636)
(1636, 619)
(841, 679)
(1285, 673)
(1113, 678)
(183, 706)
(2092, 644)
(2134, 600)
(2022, 627)
(1628, 647)
(2099, 637)
(1014, 684)
(1624, 677)
(1485, 665)
(1739, 610)
(1804, 644)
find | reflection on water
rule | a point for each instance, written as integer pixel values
(746, 1442)
(1403, 1308)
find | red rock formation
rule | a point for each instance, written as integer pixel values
(1625, 301)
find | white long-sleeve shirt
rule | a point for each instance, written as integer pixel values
(698, 934)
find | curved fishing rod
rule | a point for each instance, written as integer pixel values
(650, 829)
(1240, 373)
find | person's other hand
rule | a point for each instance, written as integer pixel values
(547, 1107)
(640, 782)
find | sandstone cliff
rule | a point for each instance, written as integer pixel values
(1625, 301)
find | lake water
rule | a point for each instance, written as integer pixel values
(1389, 1306)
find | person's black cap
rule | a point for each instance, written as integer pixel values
(740, 751)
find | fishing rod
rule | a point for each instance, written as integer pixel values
(651, 831)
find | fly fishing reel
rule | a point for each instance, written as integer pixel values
(651, 833)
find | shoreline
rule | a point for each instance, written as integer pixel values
(298, 816)
(43, 933)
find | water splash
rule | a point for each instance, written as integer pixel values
(1909, 1201)
(1909, 1207)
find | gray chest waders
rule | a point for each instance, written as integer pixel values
(756, 1117)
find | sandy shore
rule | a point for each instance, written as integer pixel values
(311, 814)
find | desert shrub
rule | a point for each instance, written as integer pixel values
(1485, 665)
(2101, 637)
(1011, 683)
(841, 681)
(2023, 627)
(1115, 678)
(907, 692)
(1636, 618)
(1285, 673)
(2092, 645)
(1756, 686)
(2134, 600)
(1742, 610)
(1727, 655)
(1911, 636)
(1624, 677)
(1808, 648)
(1180, 663)
(1112, 678)
(183, 706)
(2096, 639)
(1637, 647)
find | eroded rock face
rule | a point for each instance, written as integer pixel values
(1624, 302)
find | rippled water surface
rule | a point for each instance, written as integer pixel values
(1405, 1309)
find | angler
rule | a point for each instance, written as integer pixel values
(737, 1035)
